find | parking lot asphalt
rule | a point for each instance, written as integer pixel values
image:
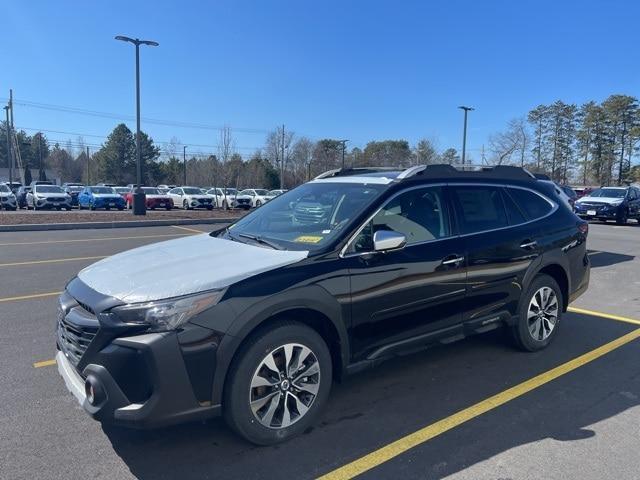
(476, 409)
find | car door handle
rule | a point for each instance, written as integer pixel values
(528, 244)
(452, 260)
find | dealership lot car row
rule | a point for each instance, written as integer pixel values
(44, 195)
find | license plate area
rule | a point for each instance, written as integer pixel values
(591, 212)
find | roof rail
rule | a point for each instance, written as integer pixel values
(445, 170)
(346, 172)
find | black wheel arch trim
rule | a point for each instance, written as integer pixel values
(312, 297)
(549, 259)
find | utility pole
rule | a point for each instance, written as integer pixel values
(282, 161)
(88, 170)
(344, 146)
(184, 163)
(139, 202)
(10, 129)
(40, 156)
(464, 134)
(6, 109)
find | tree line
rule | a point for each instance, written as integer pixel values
(590, 144)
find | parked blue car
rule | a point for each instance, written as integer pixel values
(100, 197)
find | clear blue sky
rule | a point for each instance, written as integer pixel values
(360, 70)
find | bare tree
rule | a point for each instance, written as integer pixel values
(514, 139)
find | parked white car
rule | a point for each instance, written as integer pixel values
(48, 196)
(258, 196)
(190, 197)
(7, 198)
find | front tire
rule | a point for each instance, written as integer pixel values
(278, 384)
(622, 218)
(540, 314)
(185, 205)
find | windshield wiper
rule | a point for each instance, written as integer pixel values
(260, 240)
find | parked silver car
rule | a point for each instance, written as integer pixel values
(7, 198)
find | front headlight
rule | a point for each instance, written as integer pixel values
(164, 315)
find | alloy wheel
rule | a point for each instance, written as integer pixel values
(542, 314)
(284, 386)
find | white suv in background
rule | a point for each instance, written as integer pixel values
(259, 196)
(190, 197)
(48, 196)
(7, 198)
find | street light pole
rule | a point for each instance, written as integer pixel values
(344, 146)
(139, 203)
(6, 109)
(184, 162)
(464, 134)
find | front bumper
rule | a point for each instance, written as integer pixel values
(169, 400)
(109, 203)
(46, 203)
(600, 212)
(8, 202)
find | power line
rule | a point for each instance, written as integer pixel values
(119, 116)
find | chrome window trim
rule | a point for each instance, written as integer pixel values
(554, 207)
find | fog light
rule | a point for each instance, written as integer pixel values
(93, 391)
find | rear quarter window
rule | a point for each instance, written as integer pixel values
(532, 204)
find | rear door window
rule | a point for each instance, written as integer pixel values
(480, 208)
(532, 204)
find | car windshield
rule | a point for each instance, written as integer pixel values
(306, 218)
(262, 192)
(192, 191)
(102, 190)
(48, 189)
(74, 188)
(609, 192)
(122, 189)
(150, 191)
(4, 189)
(230, 191)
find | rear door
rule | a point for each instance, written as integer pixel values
(500, 245)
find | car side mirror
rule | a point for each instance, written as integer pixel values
(384, 240)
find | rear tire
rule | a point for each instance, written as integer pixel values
(288, 410)
(540, 314)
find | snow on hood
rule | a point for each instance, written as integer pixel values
(182, 266)
(607, 200)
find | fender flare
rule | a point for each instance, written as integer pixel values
(312, 297)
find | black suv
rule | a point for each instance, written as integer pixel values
(254, 321)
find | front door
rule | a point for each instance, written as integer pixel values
(402, 295)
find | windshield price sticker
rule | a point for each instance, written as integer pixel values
(308, 239)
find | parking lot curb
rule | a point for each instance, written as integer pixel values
(35, 227)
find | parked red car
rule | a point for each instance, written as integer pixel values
(155, 199)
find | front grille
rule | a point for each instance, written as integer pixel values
(76, 331)
(204, 200)
(56, 199)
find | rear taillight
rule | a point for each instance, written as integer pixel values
(583, 228)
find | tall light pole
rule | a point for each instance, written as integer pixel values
(464, 134)
(6, 109)
(139, 203)
(344, 146)
(184, 163)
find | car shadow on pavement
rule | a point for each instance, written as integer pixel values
(403, 395)
(605, 259)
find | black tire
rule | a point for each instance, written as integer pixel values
(91, 207)
(520, 331)
(68, 209)
(209, 207)
(185, 205)
(258, 203)
(167, 208)
(622, 218)
(236, 405)
(120, 208)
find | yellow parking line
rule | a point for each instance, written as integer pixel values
(421, 436)
(45, 363)
(604, 315)
(188, 229)
(57, 260)
(29, 297)
(80, 240)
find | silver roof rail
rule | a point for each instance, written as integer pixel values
(328, 173)
(411, 171)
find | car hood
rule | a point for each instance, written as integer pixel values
(182, 266)
(107, 195)
(197, 196)
(51, 195)
(607, 200)
(243, 197)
